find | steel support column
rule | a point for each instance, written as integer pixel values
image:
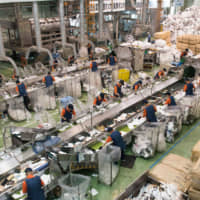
(101, 19)
(82, 32)
(2, 50)
(37, 25)
(62, 22)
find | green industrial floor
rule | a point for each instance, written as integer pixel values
(183, 146)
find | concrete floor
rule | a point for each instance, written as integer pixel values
(183, 146)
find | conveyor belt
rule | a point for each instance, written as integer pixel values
(126, 103)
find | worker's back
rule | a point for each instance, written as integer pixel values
(189, 90)
(48, 80)
(117, 139)
(34, 189)
(94, 66)
(22, 89)
(151, 117)
(172, 101)
(112, 60)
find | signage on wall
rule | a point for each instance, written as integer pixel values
(108, 6)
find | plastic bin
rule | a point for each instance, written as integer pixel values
(74, 186)
(123, 74)
(108, 164)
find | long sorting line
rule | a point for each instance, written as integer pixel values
(110, 113)
(114, 111)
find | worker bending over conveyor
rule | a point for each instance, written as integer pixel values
(112, 60)
(137, 85)
(21, 90)
(48, 80)
(170, 100)
(189, 88)
(33, 186)
(93, 66)
(160, 74)
(116, 138)
(118, 89)
(150, 112)
(71, 60)
(67, 112)
(99, 99)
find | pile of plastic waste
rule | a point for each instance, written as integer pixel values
(186, 22)
(150, 138)
(162, 192)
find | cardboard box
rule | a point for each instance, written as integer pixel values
(196, 152)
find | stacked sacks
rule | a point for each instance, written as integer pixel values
(196, 152)
(166, 35)
(191, 42)
(178, 169)
(186, 22)
(194, 191)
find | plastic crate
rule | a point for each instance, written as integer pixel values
(74, 186)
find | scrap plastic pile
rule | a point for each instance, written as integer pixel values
(187, 22)
(150, 138)
(163, 192)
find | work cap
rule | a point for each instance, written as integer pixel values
(28, 170)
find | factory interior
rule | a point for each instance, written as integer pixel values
(100, 99)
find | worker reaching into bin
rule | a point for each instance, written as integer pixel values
(118, 89)
(48, 80)
(99, 99)
(189, 88)
(137, 85)
(33, 186)
(150, 112)
(21, 90)
(160, 74)
(112, 60)
(67, 113)
(116, 138)
(170, 100)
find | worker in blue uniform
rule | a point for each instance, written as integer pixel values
(189, 88)
(150, 112)
(93, 66)
(118, 89)
(67, 113)
(170, 100)
(149, 37)
(112, 60)
(48, 80)
(137, 85)
(33, 186)
(116, 138)
(99, 99)
(21, 90)
(160, 74)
